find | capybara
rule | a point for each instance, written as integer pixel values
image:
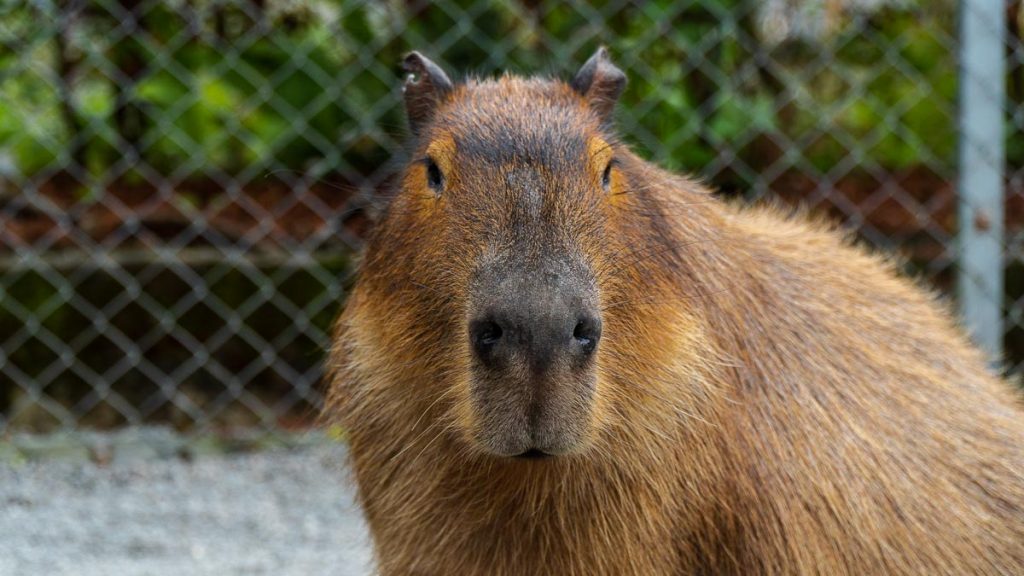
(561, 359)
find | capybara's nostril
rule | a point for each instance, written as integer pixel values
(586, 333)
(484, 336)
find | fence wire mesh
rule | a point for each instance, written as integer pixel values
(184, 184)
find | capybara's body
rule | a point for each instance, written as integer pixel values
(762, 397)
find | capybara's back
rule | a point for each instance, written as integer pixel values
(560, 359)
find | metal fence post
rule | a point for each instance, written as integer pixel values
(981, 158)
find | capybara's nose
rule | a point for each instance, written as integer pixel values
(537, 336)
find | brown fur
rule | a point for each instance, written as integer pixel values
(771, 399)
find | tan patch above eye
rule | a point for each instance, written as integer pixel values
(442, 151)
(599, 153)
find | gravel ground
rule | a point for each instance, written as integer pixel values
(278, 512)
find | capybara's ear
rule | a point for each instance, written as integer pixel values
(425, 86)
(600, 82)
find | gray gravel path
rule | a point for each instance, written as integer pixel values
(278, 512)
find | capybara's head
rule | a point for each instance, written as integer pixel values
(504, 272)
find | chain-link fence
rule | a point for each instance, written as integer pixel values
(183, 184)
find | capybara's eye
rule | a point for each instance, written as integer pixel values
(606, 178)
(434, 178)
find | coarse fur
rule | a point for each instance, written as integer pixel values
(770, 398)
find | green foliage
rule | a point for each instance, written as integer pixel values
(228, 87)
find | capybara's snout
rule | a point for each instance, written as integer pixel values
(534, 328)
(534, 333)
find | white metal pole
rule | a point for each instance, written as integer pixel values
(981, 158)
